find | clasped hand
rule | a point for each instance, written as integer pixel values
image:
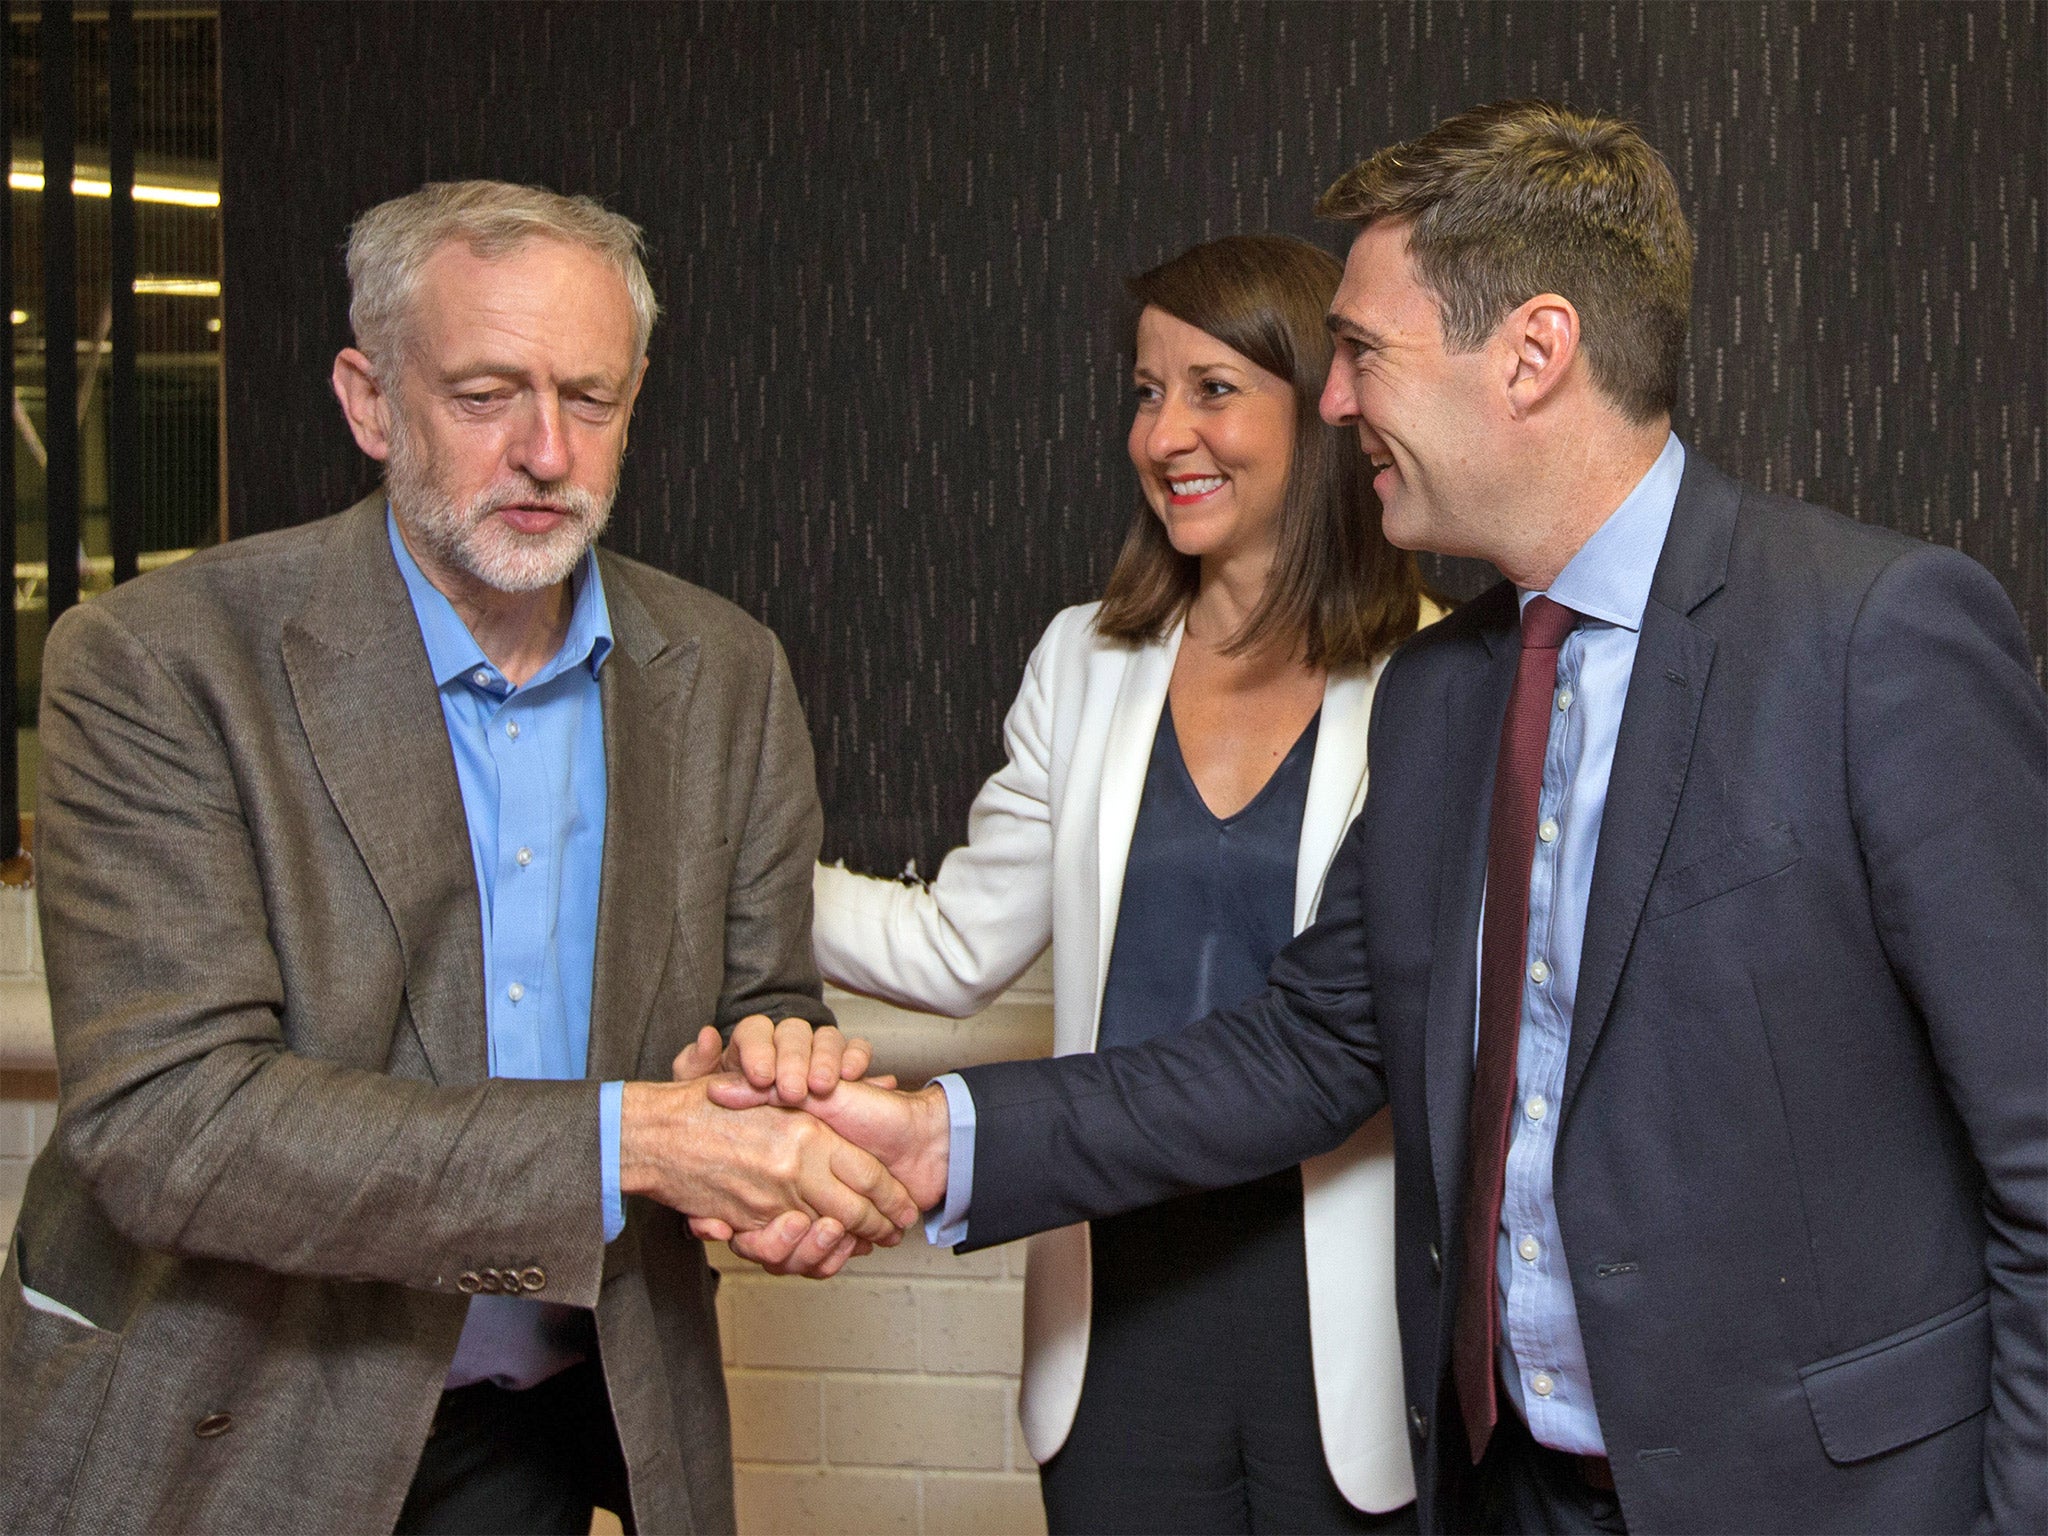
(770, 1072)
(742, 1161)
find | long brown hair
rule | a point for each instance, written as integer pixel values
(1336, 583)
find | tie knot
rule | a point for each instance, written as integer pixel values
(1545, 624)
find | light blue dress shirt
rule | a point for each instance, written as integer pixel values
(531, 768)
(1542, 1357)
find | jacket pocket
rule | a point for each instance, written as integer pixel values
(1903, 1388)
(1742, 862)
(56, 1366)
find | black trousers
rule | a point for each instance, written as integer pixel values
(534, 1463)
(1526, 1489)
(1198, 1411)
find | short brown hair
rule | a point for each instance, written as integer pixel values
(1336, 582)
(1525, 197)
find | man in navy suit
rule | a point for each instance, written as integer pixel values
(1693, 927)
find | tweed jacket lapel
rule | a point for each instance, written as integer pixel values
(366, 699)
(646, 685)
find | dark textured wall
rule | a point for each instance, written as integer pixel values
(887, 405)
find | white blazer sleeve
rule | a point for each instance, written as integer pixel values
(952, 947)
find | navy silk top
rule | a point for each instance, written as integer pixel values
(1208, 901)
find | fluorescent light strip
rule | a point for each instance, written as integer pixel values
(145, 192)
(180, 287)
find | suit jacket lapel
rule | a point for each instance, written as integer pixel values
(646, 685)
(1659, 721)
(1474, 702)
(366, 699)
(1133, 724)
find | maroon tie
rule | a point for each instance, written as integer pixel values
(1503, 947)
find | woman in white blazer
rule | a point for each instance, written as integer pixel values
(1184, 757)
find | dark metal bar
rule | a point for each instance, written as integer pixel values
(10, 649)
(60, 306)
(124, 402)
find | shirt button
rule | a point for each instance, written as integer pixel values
(524, 856)
(1528, 1248)
(1564, 698)
(1548, 831)
(512, 729)
(1542, 1385)
(481, 678)
(1539, 973)
(515, 991)
(1534, 1107)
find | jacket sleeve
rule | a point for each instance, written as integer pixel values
(953, 946)
(1237, 1095)
(198, 1130)
(1948, 782)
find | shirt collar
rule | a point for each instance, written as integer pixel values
(452, 652)
(1609, 578)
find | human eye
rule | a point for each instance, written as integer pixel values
(1214, 388)
(1145, 393)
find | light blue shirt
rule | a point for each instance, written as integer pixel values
(1542, 1357)
(530, 764)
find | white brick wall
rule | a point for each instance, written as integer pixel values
(880, 1401)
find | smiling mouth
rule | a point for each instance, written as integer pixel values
(1188, 489)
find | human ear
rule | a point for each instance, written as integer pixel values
(1543, 337)
(363, 402)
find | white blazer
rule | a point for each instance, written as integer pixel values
(1058, 816)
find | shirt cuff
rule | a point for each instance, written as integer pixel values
(948, 1225)
(611, 1104)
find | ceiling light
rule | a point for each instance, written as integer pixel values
(180, 287)
(29, 178)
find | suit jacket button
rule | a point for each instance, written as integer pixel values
(494, 1282)
(1418, 1421)
(1436, 1262)
(214, 1425)
(533, 1278)
(469, 1282)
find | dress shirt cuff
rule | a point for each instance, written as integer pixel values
(611, 1103)
(948, 1225)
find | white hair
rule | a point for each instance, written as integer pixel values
(390, 243)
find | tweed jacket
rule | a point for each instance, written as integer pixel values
(278, 1151)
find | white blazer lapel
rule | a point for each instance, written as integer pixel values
(1133, 725)
(1336, 784)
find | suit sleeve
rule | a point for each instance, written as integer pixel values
(1948, 768)
(1240, 1094)
(954, 946)
(768, 964)
(197, 1129)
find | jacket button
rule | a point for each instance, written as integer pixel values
(494, 1282)
(469, 1282)
(1436, 1262)
(533, 1278)
(214, 1425)
(1418, 1421)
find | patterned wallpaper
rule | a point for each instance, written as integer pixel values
(887, 403)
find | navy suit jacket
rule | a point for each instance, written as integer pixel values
(1802, 1168)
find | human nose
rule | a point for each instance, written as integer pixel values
(1338, 406)
(1170, 432)
(542, 449)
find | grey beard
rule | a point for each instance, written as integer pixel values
(463, 535)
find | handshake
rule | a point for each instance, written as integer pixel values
(777, 1144)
